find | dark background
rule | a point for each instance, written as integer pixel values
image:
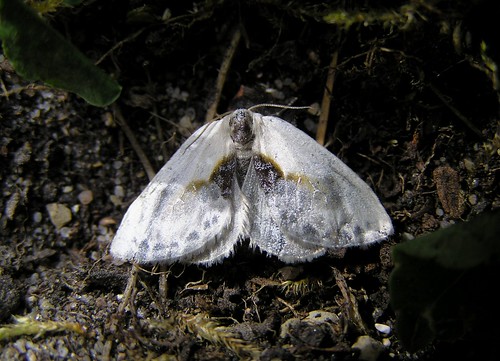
(407, 77)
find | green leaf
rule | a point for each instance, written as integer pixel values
(442, 283)
(37, 52)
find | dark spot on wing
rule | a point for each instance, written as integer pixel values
(159, 247)
(143, 247)
(211, 222)
(358, 231)
(268, 172)
(346, 234)
(309, 229)
(193, 236)
(223, 175)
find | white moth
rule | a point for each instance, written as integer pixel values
(249, 176)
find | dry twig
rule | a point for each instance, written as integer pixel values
(325, 103)
(221, 78)
(133, 141)
(455, 111)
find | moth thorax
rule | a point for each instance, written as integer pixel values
(241, 123)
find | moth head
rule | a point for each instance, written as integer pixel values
(241, 124)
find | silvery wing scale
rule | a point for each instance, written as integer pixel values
(249, 176)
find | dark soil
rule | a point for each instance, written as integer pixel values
(412, 95)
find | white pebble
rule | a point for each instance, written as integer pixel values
(37, 217)
(385, 329)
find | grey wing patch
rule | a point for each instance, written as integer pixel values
(224, 246)
(297, 218)
(169, 222)
(224, 176)
(265, 187)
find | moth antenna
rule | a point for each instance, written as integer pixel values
(263, 105)
(277, 106)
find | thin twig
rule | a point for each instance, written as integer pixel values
(118, 44)
(326, 102)
(159, 133)
(163, 285)
(455, 111)
(5, 92)
(133, 141)
(132, 280)
(221, 78)
(289, 306)
(139, 32)
(349, 306)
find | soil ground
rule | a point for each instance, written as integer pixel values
(412, 93)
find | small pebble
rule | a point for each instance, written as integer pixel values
(119, 192)
(115, 200)
(469, 165)
(20, 345)
(23, 154)
(385, 329)
(31, 355)
(10, 207)
(59, 214)
(407, 236)
(67, 189)
(106, 221)
(62, 350)
(369, 348)
(473, 199)
(86, 197)
(37, 217)
(65, 232)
